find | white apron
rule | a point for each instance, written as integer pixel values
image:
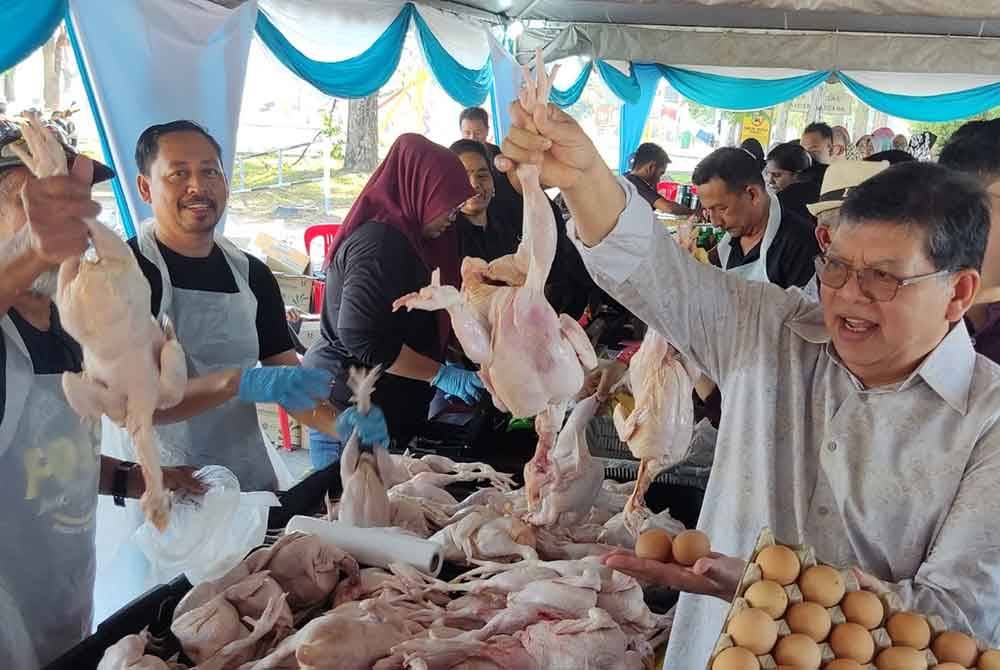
(757, 270)
(50, 469)
(217, 331)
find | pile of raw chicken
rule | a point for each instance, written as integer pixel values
(538, 595)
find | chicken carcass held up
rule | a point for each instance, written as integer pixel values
(565, 479)
(364, 503)
(658, 431)
(529, 356)
(131, 365)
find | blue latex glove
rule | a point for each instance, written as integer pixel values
(459, 383)
(371, 427)
(294, 388)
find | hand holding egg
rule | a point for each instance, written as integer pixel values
(684, 563)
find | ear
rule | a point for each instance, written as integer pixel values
(823, 237)
(142, 183)
(756, 193)
(965, 285)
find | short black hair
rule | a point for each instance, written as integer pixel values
(752, 144)
(791, 157)
(149, 142)
(649, 152)
(470, 146)
(738, 168)
(951, 208)
(974, 148)
(823, 129)
(474, 114)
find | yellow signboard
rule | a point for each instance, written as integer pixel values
(756, 125)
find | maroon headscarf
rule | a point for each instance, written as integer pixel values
(417, 182)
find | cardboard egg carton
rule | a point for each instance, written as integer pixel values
(807, 559)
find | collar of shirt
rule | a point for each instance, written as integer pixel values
(947, 369)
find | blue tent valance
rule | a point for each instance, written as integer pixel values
(942, 107)
(352, 78)
(568, 97)
(30, 24)
(738, 93)
(367, 72)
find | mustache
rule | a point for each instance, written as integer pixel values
(199, 200)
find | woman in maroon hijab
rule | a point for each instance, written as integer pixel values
(397, 232)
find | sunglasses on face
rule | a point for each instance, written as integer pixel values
(877, 285)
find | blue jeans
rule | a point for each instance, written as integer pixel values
(323, 449)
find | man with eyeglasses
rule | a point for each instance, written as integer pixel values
(865, 425)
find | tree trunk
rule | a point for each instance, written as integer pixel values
(52, 56)
(361, 151)
(9, 91)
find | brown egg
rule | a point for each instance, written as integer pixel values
(901, 658)
(798, 651)
(809, 619)
(779, 564)
(908, 630)
(989, 660)
(689, 546)
(849, 640)
(768, 596)
(863, 608)
(951, 647)
(949, 666)
(822, 584)
(843, 664)
(654, 544)
(735, 658)
(755, 630)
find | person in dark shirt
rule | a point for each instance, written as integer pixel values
(474, 124)
(483, 232)
(817, 139)
(398, 231)
(891, 156)
(975, 150)
(762, 242)
(225, 306)
(647, 166)
(787, 166)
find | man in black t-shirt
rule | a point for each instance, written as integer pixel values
(225, 305)
(648, 164)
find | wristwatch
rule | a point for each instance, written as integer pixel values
(119, 482)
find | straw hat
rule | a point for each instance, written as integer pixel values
(840, 178)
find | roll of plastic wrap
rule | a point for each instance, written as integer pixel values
(377, 547)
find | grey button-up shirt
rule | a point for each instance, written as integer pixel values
(903, 482)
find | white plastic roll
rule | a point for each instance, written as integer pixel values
(376, 547)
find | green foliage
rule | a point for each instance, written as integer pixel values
(335, 131)
(945, 129)
(705, 115)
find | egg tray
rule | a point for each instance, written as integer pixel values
(807, 559)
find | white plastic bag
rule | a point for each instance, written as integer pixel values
(207, 535)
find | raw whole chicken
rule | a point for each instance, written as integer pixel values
(565, 479)
(214, 647)
(364, 503)
(131, 365)
(529, 357)
(483, 534)
(407, 468)
(307, 567)
(659, 429)
(129, 653)
(351, 637)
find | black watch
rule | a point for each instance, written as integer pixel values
(119, 482)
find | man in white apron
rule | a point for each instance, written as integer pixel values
(51, 469)
(229, 317)
(225, 305)
(762, 242)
